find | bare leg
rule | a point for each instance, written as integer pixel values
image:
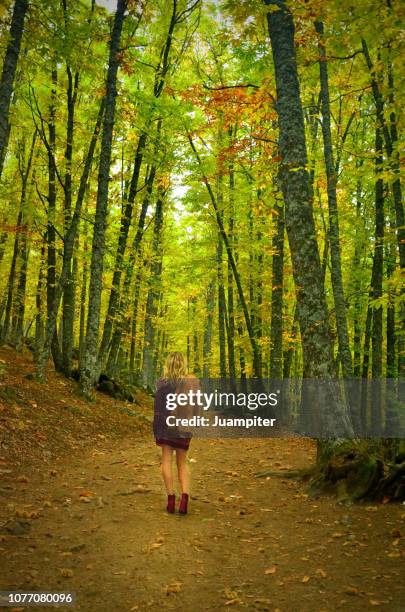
(182, 470)
(166, 468)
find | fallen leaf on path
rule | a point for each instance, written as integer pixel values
(321, 573)
(174, 587)
(270, 570)
(351, 590)
(86, 493)
(233, 602)
(306, 579)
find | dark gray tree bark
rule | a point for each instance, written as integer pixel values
(378, 270)
(230, 288)
(121, 247)
(221, 311)
(69, 242)
(90, 367)
(276, 323)
(51, 229)
(8, 74)
(300, 226)
(148, 373)
(207, 341)
(69, 294)
(334, 233)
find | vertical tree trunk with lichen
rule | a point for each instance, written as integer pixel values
(334, 232)
(8, 73)
(90, 365)
(299, 220)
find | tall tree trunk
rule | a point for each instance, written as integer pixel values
(357, 286)
(207, 341)
(390, 136)
(19, 306)
(20, 236)
(123, 320)
(152, 297)
(221, 311)
(121, 246)
(390, 139)
(90, 367)
(134, 323)
(69, 294)
(231, 310)
(11, 280)
(8, 74)
(295, 184)
(276, 324)
(255, 349)
(39, 316)
(51, 231)
(391, 370)
(69, 242)
(333, 234)
(378, 265)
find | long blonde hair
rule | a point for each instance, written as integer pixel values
(175, 367)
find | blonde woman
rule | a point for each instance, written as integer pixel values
(175, 380)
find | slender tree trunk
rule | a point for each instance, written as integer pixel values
(334, 233)
(83, 297)
(121, 247)
(221, 311)
(123, 320)
(290, 351)
(20, 237)
(69, 242)
(39, 316)
(357, 287)
(276, 324)
(8, 74)
(51, 231)
(390, 137)
(134, 324)
(231, 310)
(90, 367)
(391, 369)
(152, 297)
(11, 280)
(224, 236)
(207, 342)
(295, 184)
(69, 294)
(19, 312)
(378, 269)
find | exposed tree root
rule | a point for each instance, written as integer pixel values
(357, 475)
(352, 476)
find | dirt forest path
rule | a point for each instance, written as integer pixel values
(98, 528)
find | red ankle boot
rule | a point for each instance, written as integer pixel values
(183, 503)
(171, 502)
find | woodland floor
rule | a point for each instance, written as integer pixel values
(81, 482)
